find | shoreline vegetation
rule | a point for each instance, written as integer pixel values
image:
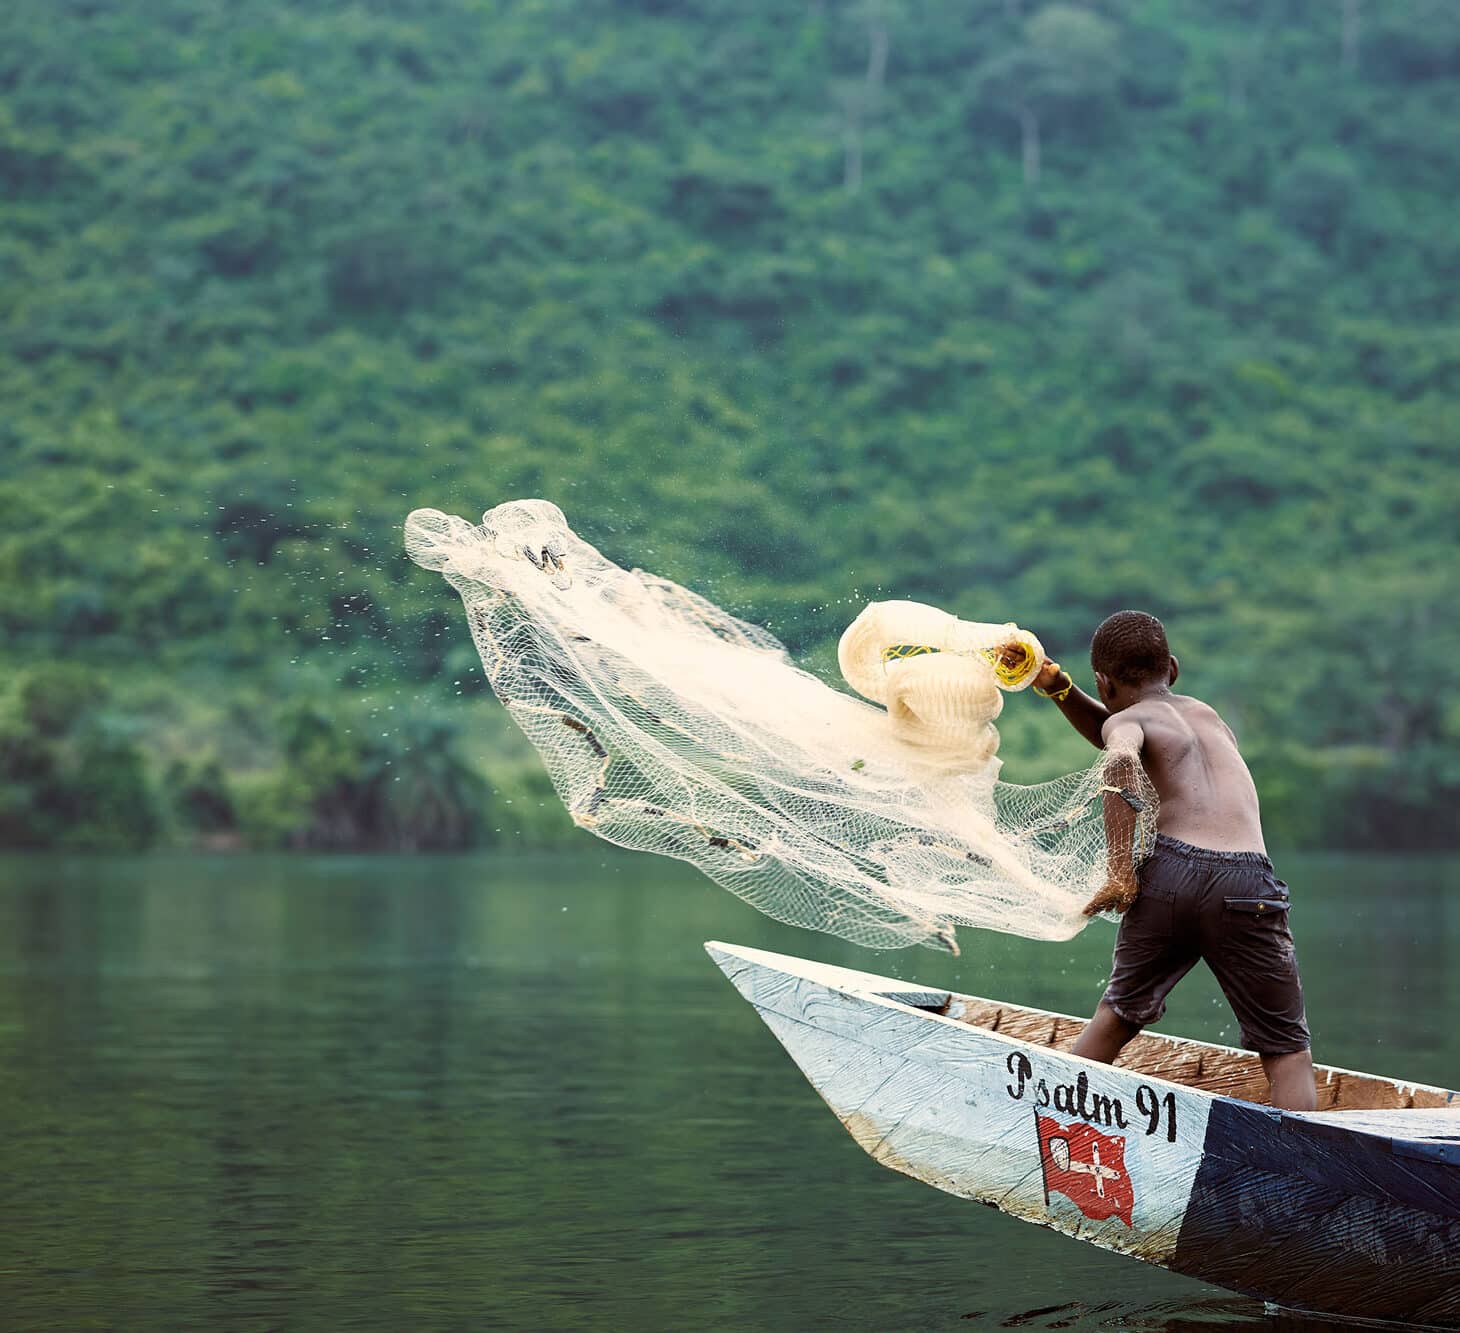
(1029, 310)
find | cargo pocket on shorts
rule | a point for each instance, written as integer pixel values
(1257, 906)
(1267, 897)
(1257, 935)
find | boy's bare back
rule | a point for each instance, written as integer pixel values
(1207, 795)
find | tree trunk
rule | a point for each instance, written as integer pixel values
(1351, 34)
(1029, 143)
(1243, 61)
(860, 100)
(852, 145)
(877, 43)
(1236, 87)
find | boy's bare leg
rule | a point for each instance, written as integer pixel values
(1289, 1077)
(1290, 1080)
(1105, 1035)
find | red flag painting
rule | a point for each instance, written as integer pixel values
(1087, 1167)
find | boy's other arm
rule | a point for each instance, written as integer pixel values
(1086, 714)
(1123, 740)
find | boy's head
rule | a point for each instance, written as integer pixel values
(1129, 653)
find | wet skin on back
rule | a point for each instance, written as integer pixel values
(1207, 794)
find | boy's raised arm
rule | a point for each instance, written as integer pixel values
(1086, 714)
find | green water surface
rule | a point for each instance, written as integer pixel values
(492, 1092)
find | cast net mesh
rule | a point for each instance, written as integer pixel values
(669, 726)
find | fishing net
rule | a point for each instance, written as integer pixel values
(670, 726)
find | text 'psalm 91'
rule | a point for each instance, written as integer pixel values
(1094, 1108)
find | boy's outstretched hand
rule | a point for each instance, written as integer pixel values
(1116, 896)
(1049, 675)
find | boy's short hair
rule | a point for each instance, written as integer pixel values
(1130, 646)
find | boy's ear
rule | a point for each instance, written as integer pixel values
(1102, 685)
(1175, 670)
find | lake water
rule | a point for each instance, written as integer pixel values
(493, 1092)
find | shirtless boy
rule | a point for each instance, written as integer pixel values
(1207, 890)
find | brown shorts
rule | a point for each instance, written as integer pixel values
(1228, 909)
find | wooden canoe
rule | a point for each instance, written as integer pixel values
(1171, 1155)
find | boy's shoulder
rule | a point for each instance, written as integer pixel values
(1178, 711)
(1167, 703)
(1187, 713)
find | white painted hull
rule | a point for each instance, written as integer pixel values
(933, 1098)
(1113, 1156)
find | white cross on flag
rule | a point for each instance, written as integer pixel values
(1087, 1167)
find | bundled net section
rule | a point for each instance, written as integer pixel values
(669, 726)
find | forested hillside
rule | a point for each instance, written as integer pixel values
(1032, 310)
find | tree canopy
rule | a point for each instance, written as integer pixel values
(1031, 310)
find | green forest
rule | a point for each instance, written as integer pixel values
(1031, 310)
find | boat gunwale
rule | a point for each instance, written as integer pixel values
(896, 987)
